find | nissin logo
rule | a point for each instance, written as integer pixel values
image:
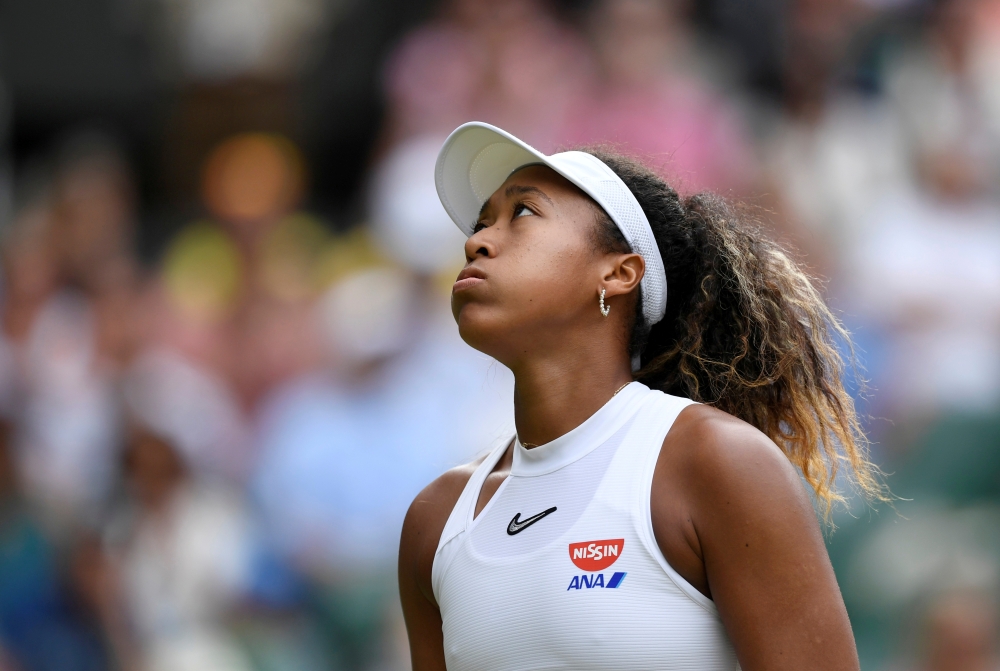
(596, 555)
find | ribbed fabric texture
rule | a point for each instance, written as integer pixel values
(519, 602)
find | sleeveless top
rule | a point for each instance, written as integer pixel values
(560, 570)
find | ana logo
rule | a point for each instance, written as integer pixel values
(596, 580)
(595, 555)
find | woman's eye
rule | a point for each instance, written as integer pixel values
(478, 227)
(522, 210)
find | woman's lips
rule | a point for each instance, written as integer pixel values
(466, 283)
(468, 278)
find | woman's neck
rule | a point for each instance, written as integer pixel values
(555, 395)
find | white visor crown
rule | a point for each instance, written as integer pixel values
(477, 158)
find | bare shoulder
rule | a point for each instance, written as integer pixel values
(717, 480)
(429, 511)
(733, 517)
(425, 521)
(715, 453)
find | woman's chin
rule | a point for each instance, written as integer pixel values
(479, 330)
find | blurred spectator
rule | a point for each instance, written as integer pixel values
(279, 339)
(223, 40)
(961, 634)
(68, 306)
(956, 631)
(510, 63)
(94, 213)
(200, 285)
(650, 98)
(944, 91)
(829, 150)
(830, 169)
(194, 407)
(234, 298)
(69, 431)
(816, 51)
(180, 554)
(407, 217)
(927, 272)
(250, 181)
(40, 628)
(233, 65)
(29, 265)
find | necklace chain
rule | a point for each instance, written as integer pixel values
(530, 445)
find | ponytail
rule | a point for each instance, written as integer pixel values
(745, 331)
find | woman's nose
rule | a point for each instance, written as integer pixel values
(478, 245)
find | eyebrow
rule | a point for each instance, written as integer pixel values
(519, 190)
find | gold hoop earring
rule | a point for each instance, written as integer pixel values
(604, 310)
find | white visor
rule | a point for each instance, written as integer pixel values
(477, 159)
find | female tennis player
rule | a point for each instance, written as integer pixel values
(675, 375)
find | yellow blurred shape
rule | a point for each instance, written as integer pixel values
(346, 254)
(443, 281)
(253, 176)
(290, 255)
(202, 272)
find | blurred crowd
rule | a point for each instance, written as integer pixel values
(206, 450)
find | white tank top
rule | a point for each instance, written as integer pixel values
(561, 570)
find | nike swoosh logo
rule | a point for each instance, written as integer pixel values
(517, 525)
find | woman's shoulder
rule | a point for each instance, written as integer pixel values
(425, 521)
(715, 453)
(721, 486)
(436, 500)
(719, 479)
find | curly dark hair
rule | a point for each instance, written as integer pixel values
(745, 330)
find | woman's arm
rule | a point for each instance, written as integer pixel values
(422, 529)
(733, 518)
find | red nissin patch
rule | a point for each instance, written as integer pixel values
(596, 555)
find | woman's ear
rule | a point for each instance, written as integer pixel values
(624, 275)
